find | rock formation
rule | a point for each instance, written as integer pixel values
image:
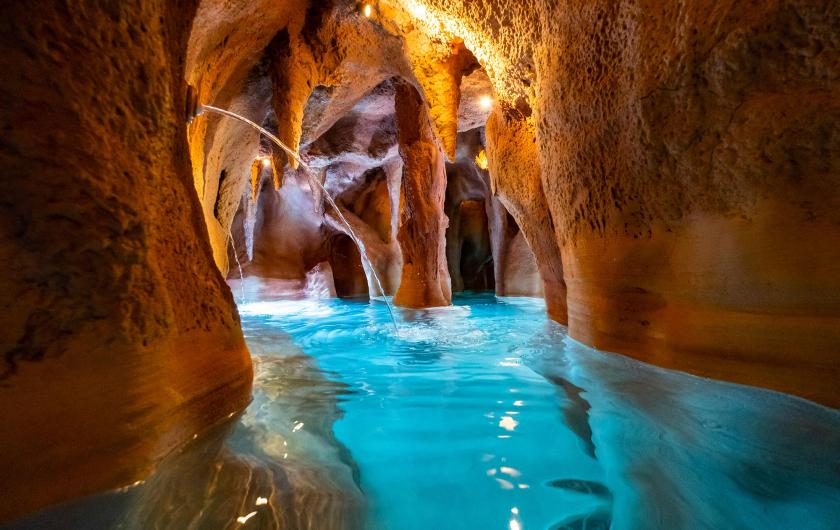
(664, 174)
(686, 162)
(516, 178)
(425, 277)
(120, 339)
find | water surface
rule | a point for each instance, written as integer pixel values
(479, 416)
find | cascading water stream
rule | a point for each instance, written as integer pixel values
(239, 265)
(312, 179)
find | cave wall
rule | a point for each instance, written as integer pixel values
(521, 272)
(320, 72)
(692, 166)
(120, 339)
(688, 159)
(359, 159)
(473, 259)
(288, 234)
(515, 268)
(346, 263)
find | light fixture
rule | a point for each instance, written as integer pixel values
(485, 102)
(367, 10)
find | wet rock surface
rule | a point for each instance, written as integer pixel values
(119, 338)
(665, 175)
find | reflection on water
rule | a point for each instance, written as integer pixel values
(483, 415)
(276, 466)
(684, 452)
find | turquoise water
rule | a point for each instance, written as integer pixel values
(484, 415)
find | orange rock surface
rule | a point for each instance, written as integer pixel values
(120, 339)
(666, 174)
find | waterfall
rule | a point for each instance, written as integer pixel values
(238, 264)
(312, 179)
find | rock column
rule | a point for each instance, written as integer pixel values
(422, 227)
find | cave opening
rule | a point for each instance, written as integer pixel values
(346, 263)
(476, 257)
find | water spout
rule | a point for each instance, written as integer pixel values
(238, 264)
(312, 179)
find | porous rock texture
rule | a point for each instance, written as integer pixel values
(688, 159)
(673, 167)
(119, 338)
(422, 228)
(512, 157)
(483, 251)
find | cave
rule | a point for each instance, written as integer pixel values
(368, 264)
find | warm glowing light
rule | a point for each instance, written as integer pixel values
(261, 501)
(368, 10)
(446, 27)
(244, 518)
(266, 162)
(485, 102)
(481, 159)
(515, 525)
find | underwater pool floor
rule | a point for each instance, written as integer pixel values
(484, 415)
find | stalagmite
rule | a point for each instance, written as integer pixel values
(425, 277)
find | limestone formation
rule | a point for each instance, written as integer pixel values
(665, 174)
(516, 179)
(425, 276)
(687, 159)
